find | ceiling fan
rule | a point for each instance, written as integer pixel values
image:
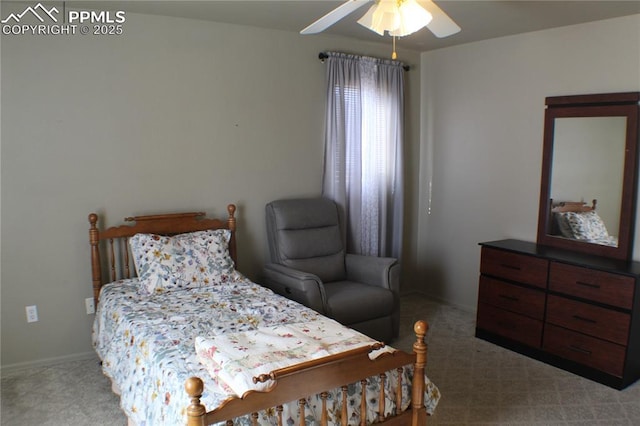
(397, 17)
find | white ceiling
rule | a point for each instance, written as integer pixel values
(479, 19)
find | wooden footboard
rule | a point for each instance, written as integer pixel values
(318, 376)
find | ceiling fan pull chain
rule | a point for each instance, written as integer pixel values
(394, 55)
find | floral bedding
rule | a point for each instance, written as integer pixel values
(147, 345)
(584, 226)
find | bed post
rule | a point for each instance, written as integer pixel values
(96, 273)
(417, 387)
(231, 224)
(195, 411)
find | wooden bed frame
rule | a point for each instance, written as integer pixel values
(572, 206)
(288, 384)
(567, 206)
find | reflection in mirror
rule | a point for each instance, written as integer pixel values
(589, 174)
(588, 162)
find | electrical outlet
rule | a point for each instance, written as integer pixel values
(89, 305)
(32, 313)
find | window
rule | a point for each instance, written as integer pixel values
(363, 151)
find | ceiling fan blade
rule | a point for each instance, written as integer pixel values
(441, 25)
(334, 16)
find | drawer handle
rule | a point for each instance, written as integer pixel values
(506, 265)
(579, 349)
(582, 283)
(511, 298)
(589, 320)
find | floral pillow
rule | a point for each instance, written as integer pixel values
(586, 226)
(184, 261)
(563, 225)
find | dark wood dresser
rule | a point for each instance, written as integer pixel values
(577, 312)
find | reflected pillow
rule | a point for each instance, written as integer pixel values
(586, 226)
(184, 261)
(563, 225)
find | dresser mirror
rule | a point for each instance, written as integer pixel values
(589, 174)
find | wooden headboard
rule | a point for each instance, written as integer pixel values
(115, 240)
(566, 206)
(572, 206)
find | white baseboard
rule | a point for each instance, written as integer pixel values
(47, 362)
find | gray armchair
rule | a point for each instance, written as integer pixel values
(309, 265)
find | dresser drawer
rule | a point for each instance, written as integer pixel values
(602, 287)
(511, 297)
(592, 352)
(515, 267)
(510, 325)
(588, 319)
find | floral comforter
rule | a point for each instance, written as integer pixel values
(147, 345)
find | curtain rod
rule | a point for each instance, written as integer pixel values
(322, 56)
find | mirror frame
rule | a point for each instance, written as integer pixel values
(597, 105)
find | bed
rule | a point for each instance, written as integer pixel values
(579, 221)
(171, 347)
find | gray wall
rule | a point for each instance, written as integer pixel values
(188, 115)
(482, 127)
(174, 115)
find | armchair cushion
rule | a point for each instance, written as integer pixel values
(370, 301)
(308, 237)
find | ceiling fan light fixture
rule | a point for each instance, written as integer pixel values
(398, 17)
(381, 17)
(413, 17)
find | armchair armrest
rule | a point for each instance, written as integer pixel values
(303, 287)
(380, 271)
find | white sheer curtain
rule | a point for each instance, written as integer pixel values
(363, 150)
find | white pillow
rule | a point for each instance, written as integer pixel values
(184, 261)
